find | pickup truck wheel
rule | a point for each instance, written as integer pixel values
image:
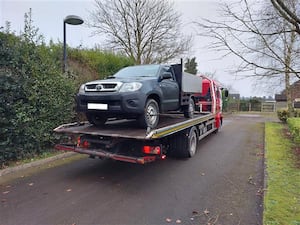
(96, 119)
(189, 110)
(150, 117)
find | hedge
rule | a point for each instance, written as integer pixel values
(283, 114)
(294, 127)
(104, 62)
(34, 98)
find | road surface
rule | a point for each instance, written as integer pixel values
(221, 184)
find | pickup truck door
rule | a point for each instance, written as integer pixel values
(170, 90)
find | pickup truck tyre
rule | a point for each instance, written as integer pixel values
(96, 119)
(189, 110)
(150, 117)
(184, 145)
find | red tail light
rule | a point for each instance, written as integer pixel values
(82, 144)
(152, 150)
(85, 144)
(78, 142)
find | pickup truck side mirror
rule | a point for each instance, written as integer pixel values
(226, 93)
(166, 75)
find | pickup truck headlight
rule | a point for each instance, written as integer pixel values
(133, 86)
(81, 89)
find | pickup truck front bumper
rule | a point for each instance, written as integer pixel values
(115, 103)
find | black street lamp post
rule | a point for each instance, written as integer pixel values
(72, 20)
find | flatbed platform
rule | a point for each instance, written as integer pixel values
(169, 124)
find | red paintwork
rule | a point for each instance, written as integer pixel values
(210, 100)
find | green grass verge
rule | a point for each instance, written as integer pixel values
(282, 197)
(46, 154)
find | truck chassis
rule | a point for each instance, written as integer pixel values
(125, 141)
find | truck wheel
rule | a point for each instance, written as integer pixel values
(189, 109)
(96, 119)
(184, 145)
(192, 142)
(150, 117)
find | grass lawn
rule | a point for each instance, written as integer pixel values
(282, 197)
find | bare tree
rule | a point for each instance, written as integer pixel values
(148, 31)
(287, 13)
(263, 41)
(284, 42)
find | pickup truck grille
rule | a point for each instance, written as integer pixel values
(103, 87)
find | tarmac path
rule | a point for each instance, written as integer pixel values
(222, 184)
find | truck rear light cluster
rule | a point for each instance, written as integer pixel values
(152, 149)
(82, 144)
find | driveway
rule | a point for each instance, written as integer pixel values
(221, 184)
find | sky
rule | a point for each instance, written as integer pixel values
(48, 16)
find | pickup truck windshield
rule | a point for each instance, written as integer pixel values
(138, 71)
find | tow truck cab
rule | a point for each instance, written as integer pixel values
(210, 100)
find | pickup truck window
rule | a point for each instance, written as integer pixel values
(169, 70)
(138, 71)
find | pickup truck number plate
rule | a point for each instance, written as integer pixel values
(97, 106)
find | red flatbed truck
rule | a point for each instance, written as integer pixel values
(124, 140)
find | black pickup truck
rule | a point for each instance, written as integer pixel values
(139, 92)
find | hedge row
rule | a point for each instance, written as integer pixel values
(34, 98)
(294, 127)
(105, 63)
(283, 114)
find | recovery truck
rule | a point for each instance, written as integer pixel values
(124, 140)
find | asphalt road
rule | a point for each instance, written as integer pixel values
(221, 184)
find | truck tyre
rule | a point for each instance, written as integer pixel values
(150, 117)
(96, 119)
(189, 110)
(184, 145)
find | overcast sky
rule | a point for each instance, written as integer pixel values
(48, 16)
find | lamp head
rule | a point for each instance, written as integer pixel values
(73, 20)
